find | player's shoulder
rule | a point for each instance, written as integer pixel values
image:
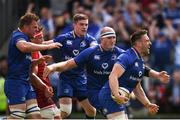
(93, 48)
(17, 33)
(65, 35)
(131, 55)
(126, 55)
(119, 50)
(90, 37)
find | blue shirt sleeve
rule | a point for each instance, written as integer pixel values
(59, 38)
(83, 57)
(123, 60)
(20, 37)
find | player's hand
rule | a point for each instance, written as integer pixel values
(152, 108)
(47, 70)
(119, 99)
(163, 77)
(49, 92)
(54, 45)
(38, 61)
(47, 58)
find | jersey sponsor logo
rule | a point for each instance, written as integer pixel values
(96, 57)
(75, 52)
(105, 65)
(102, 72)
(113, 57)
(69, 42)
(83, 44)
(135, 78)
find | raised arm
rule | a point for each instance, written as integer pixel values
(24, 46)
(38, 83)
(61, 66)
(162, 76)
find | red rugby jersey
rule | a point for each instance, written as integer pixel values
(42, 100)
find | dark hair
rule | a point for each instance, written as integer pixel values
(137, 35)
(27, 19)
(78, 17)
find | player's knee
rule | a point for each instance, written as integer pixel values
(33, 111)
(65, 110)
(17, 114)
(91, 111)
(50, 113)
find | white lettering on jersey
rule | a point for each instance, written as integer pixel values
(102, 72)
(135, 78)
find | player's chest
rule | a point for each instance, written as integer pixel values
(137, 69)
(103, 61)
(79, 44)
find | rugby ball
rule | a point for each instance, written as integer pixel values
(124, 92)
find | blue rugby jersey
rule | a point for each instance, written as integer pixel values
(98, 65)
(134, 67)
(18, 62)
(72, 46)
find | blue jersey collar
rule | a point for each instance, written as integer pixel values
(137, 53)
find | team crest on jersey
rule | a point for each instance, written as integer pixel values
(75, 52)
(113, 57)
(140, 73)
(136, 64)
(83, 44)
(105, 65)
(69, 42)
(96, 57)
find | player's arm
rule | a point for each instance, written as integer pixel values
(141, 96)
(48, 42)
(34, 79)
(61, 66)
(162, 76)
(38, 83)
(117, 72)
(25, 46)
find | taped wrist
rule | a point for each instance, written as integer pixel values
(146, 71)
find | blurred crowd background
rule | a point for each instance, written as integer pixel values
(160, 17)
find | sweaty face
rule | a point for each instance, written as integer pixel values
(32, 28)
(81, 27)
(146, 43)
(108, 43)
